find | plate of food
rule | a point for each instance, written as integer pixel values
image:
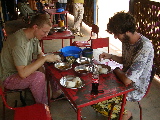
(71, 81)
(83, 60)
(59, 29)
(104, 69)
(63, 66)
(82, 69)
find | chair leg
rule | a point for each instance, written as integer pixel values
(110, 113)
(22, 99)
(4, 109)
(16, 102)
(140, 108)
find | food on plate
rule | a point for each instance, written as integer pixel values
(82, 71)
(76, 79)
(83, 60)
(75, 82)
(103, 69)
(70, 59)
(99, 66)
(64, 67)
(70, 84)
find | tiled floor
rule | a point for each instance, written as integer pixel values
(62, 110)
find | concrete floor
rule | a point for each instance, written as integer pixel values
(62, 110)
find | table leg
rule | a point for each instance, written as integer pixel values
(79, 114)
(53, 19)
(48, 87)
(66, 21)
(41, 44)
(122, 106)
(62, 43)
(70, 41)
(48, 93)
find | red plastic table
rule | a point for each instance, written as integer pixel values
(53, 12)
(58, 35)
(81, 97)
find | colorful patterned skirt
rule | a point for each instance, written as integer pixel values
(105, 107)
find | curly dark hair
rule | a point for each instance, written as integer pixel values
(121, 22)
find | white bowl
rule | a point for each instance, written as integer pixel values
(83, 60)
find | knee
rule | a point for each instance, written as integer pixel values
(39, 76)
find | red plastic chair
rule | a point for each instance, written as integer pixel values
(6, 91)
(21, 97)
(100, 43)
(151, 79)
(95, 29)
(153, 72)
(33, 112)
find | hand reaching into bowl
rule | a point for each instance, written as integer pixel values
(53, 58)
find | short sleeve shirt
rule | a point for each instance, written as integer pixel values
(17, 51)
(138, 61)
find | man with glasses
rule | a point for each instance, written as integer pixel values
(17, 68)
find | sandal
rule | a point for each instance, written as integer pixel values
(131, 118)
(81, 35)
(62, 96)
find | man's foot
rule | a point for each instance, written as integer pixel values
(127, 116)
(79, 34)
(56, 94)
(62, 96)
(73, 30)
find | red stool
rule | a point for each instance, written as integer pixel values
(32, 112)
(95, 29)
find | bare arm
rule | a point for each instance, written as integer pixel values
(110, 56)
(25, 71)
(121, 75)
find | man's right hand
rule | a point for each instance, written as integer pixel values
(105, 56)
(53, 58)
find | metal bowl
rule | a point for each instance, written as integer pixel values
(63, 66)
(83, 60)
(60, 29)
(65, 79)
(82, 69)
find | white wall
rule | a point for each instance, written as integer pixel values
(107, 8)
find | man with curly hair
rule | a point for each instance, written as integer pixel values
(137, 59)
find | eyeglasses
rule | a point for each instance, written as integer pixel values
(45, 32)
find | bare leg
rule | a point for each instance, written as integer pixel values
(127, 115)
